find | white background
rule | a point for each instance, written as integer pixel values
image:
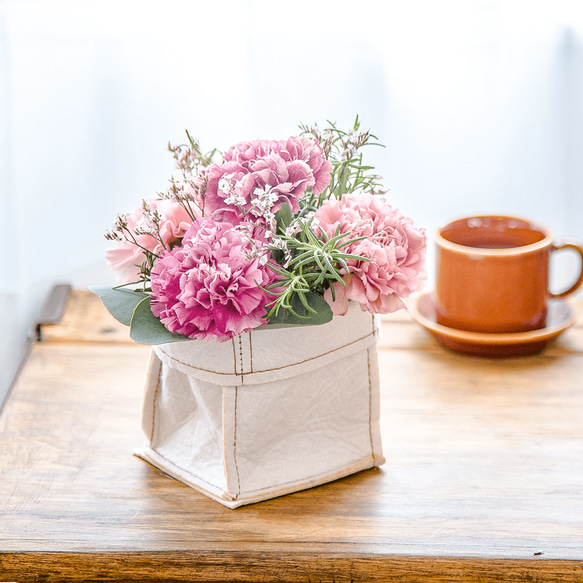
(480, 105)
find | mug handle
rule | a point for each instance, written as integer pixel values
(577, 284)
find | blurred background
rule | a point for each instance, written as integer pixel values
(479, 104)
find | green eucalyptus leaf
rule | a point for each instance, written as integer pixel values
(284, 319)
(120, 302)
(147, 329)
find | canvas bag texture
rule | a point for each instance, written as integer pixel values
(269, 412)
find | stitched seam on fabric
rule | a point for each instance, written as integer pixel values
(370, 392)
(235, 445)
(154, 403)
(189, 472)
(369, 404)
(236, 496)
(241, 360)
(310, 478)
(194, 367)
(250, 351)
(268, 369)
(374, 325)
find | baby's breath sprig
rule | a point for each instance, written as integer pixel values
(189, 190)
(121, 231)
(342, 150)
(189, 157)
(151, 224)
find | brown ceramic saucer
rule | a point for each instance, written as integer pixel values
(561, 316)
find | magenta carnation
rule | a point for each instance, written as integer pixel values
(395, 248)
(209, 287)
(257, 178)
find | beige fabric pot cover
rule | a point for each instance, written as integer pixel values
(268, 413)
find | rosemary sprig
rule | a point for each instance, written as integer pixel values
(343, 150)
(308, 264)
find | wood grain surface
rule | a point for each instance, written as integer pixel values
(483, 480)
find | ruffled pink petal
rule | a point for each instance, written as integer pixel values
(395, 250)
(339, 304)
(210, 287)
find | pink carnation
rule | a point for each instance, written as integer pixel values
(247, 152)
(309, 150)
(127, 257)
(294, 148)
(396, 250)
(209, 287)
(257, 178)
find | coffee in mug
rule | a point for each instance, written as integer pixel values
(493, 274)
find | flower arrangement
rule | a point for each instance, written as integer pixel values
(268, 234)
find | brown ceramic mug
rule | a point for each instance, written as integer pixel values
(493, 274)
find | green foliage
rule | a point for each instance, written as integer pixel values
(310, 265)
(120, 302)
(313, 312)
(132, 308)
(343, 151)
(147, 329)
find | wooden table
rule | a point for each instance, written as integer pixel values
(483, 479)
